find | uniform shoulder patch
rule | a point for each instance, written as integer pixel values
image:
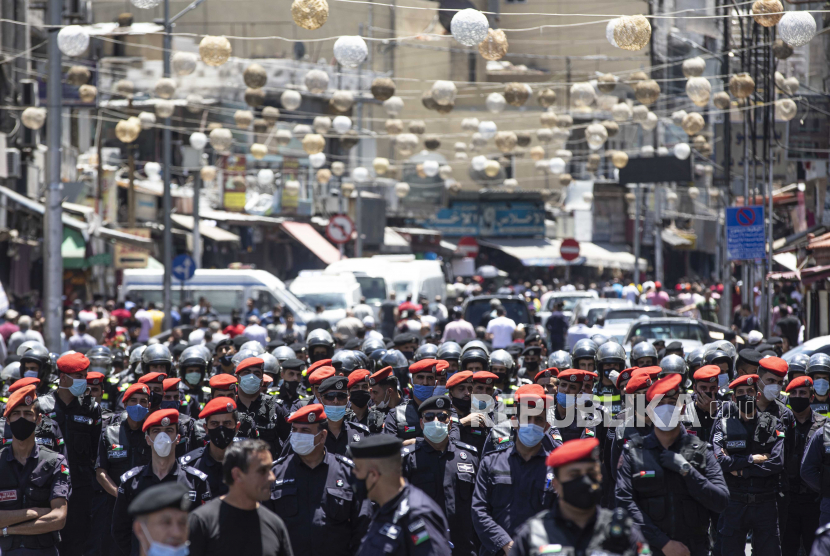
(468, 447)
(130, 474)
(192, 456)
(194, 471)
(344, 459)
(823, 529)
(279, 460)
(360, 426)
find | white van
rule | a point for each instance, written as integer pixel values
(227, 290)
(402, 274)
(335, 292)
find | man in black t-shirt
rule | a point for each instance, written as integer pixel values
(237, 523)
(388, 316)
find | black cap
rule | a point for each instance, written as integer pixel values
(239, 340)
(532, 336)
(274, 344)
(435, 402)
(532, 350)
(224, 342)
(160, 497)
(674, 346)
(333, 383)
(514, 349)
(761, 348)
(769, 353)
(775, 340)
(178, 349)
(378, 446)
(404, 338)
(294, 364)
(750, 356)
(729, 335)
(298, 346)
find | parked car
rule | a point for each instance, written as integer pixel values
(336, 293)
(617, 320)
(593, 309)
(691, 333)
(568, 299)
(476, 310)
(814, 345)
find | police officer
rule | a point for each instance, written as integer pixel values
(334, 397)
(195, 392)
(674, 348)
(189, 434)
(449, 352)
(706, 406)
(549, 380)
(445, 469)
(160, 519)
(531, 356)
(576, 521)
(47, 433)
(748, 361)
(643, 355)
(634, 420)
(221, 425)
(819, 371)
(226, 386)
(694, 359)
(407, 520)
(133, 372)
(583, 354)
(426, 351)
(610, 357)
(35, 363)
(384, 390)
(569, 418)
(804, 508)
(291, 371)
(192, 435)
(511, 484)
(473, 426)
(669, 480)
(477, 359)
(34, 482)
(560, 360)
(161, 432)
(797, 366)
(320, 345)
(749, 446)
(101, 361)
(359, 398)
(312, 492)
(317, 373)
(223, 357)
(262, 409)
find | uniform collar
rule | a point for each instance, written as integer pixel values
(651, 440)
(10, 452)
(569, 525)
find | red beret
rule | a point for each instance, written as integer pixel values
(311, 413)
(575, 375)
(441, 367)
(380, 376)
(547, 373)
(460, 377)
(161, 418)
(531, 392)
(319, 375)
(357, 376)
(170, 383)
(153, 378)
(25, 381)
(135, 389)
(485, 377)
(223, 381)
(95, 378)
(572, 451)
(653, 372)
(666, 386)
(625, 375)
(73, 363)
(707, 373)
(775, 365)
(25, 396)
(217, 406)
(267, 379)
(424, 366)
(749, 380)
(800, 382)
(250, 362)
(637, 383)
(317, 364)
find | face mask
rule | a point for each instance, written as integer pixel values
(22, 429)
(530, 435)
(358, 487)
(771, 391)
(502, 378)
(221, 437)
(170, 404)
(155, 399)
(78, 387)
(193, 378)
(746, 404)
(225, 360)
(582, 493)
(723, 380)
(531, 365)
(565, 400)
(385, 403)
(335, 412)
(162, 444)
(302, 443)
(137, 412)
(821, 386)
(289, 389)
(408, 354)
(462, 404)
(30, 374)
(436, 431)
(159, 549)
(359, 398)
(799, 404)
(663, 417)
(440, 391)
(250, 384)
(423, 392)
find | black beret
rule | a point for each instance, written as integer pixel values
(514, 349)
(239, 340)
(298, 346)
(377, 446)
(532, 350)
(224, 342)
(352, 344)
(404, 338)
(294, 364)
(769, 353)
(750, 356)
(775, 340)
(211, 347)
(531, 336)
(333, 383)
(435, 402)
(729, 335)
(761, 348)
(274, 344)
(674, 346)
(160, 497)
(658, 342)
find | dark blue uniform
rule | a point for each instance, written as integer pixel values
(815, 468)
(193, 398)
(448, 477)
(787, 421)
(821, 546)
(411, 523)
(404, 422)
(201, 459)
(623, 434)
(268, 420)
(804, 509)
(47, 434)
(503, 434)
(352, 431)
(319, 508)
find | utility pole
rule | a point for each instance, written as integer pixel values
(726, 267)
(197, 234)
(637, 201)
(658, 227)
(358, 212)
(52, 218)
(167, 201)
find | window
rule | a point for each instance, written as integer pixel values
(327, 300)
(222, 301)
(373, 289)
(671, 331)
(478, 312)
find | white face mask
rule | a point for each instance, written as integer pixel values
(162, 444)
(821, 386)
(771, 391)
(303, 443)
(662, 415)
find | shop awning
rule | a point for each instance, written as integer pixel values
(211, 232)
(239, 218)
(787, 260)
(73, 251)
(317, 244)
(545, 252)
(393, 242)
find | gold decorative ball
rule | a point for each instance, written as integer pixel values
(165, 88)
(565, 121)
(214, 50)
(494, 47)
(548, 119)
(418, 127)
(381, 166)
(87, 93)
(270, 114)
(394, 126)
(258, 151)
(506, 141)
(254, 97)
(34, 117)
(606, 83)
(647, 91)
(492, 168)
(255, 76)
(313, 143)
(516, 94)
(78, 75)
(128, 130)
(537, 153)
(221, 139)
(611, 126)
(323, 176)
(637, 76)
(767, 13)
(342, 101)
(310, 14)
(721, 100)
(243, 118)
(383, 88)
(546, 97)
(632, 32)
(124, 88)
(208, 173)
(741, 85)
(164, 108)
(693, 123)
(283, 137)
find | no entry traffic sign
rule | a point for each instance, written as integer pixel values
(340, 228)
(745, 236)
(569, 250)
(468, 247)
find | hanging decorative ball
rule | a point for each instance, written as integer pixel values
(394, 126)
(544, 135)
(460, 147)
(427, 101)
(338, 168)
(265, 177)
(632, 32)
(488, 129)
(662, 151)
(785, 109)
(198, 140)
(556, 165)
(537, 153)
(741, 85)
(270, 114)
(694, 67)
(243, 118)
(125, 19)
(260, 126)
(469, 124)
(699, 90)
(431, 168)
(255, 76)
(797, 28)
(682, 151)
(283, 137)
(214, 50)
(221, 139)
(548, 119)
(582, 95)
(546, 98)
(34, 117)
(522, 138)
(639, 114)
(790, 86)
(478, 141)
(78, 75)
(184, 63)
(478, 163)
(341, 124)
(258, 151)
(647, 151)
(721, 100)
(321, 124)
(87, 93)
(506, 141)
(194, 103)
(516, 94)
(619, 159)
(647, 91)
(309, 14)
(127, 130)
(124, 88)
(702, 146)
(291, 99)
(469, 27)
(349, 140)
(767, 13)
(316, 81)
(606, 83)
(147, 119)
(323, 176)
(443, 92)
(401, 189)
(495, 103)
(444, 171)
(418, 127)
(596, 135)
(254, 97)
(432, 143)
(317, 160)
(621, 112)
(510, 183)
(636, 77)
(693, 192)
(494, 47)
(565, 121)
(609, 32)
(393, 106)
(342, 101)
(650, 122)
(350, 51)
(406, 143)
(492, 168)
(313, 143)
(564, 154)
(208, 173)
(165, 88)
(592, 164)
(611, 127)
(360, 174)
(164, 108)
(381, 166)
(293, 187)
(73, 40)
(781, 50)
(678, 116)
(383, 88)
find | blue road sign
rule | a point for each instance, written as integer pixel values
(184, 267)
(745, 235)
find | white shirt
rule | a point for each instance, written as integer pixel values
(631, 293)
(373, 335)
(258, 333)
(502, 330)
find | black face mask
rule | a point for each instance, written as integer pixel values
(531, 365)
(221, 437)
(289, 389)
(22, 429)
(502, 378)
(408, 354)
(359, 488)
(359, 398)
(799, 404)
(746, 404)
(462, 404)
(226, 360)
(582, 493)
(155, 399)
(171, 404)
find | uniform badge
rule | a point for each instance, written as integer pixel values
(439, 403)
(339, 385)
(573, 378)
(356, 437)
(8, 495)
(749, 380)
(391, 531)
(463, 455)
(339, 482)
(192, 495)
(371, 382)
(28, 400)
(466, 468)
(229, 407)
(489, 381)
(165, 421)
(312, 417)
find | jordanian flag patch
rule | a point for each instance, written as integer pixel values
(64, 469)
(418, 538)
(779, 434)
(504, 439)
(589, 432)
(646, 474)
(408, 429)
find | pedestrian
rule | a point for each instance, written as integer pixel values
(9, 325)
(349, 326)
(458, 330)
(255, 332)
(657, 296)
(25, 334)
(318, 322)
(238, 522)
(251, 310)
(500, 329)
(160, 520)
(557, 328)
(362, 310)
(81, 341)
(388, 316)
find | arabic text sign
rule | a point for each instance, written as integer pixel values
(745, 236)
(490, 219)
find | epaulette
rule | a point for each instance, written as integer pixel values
(823, 529)
(467, 447)
(360, 426)
(130, 474)
(194, 471)
(344, 459)
(192, 456)
(279, 460)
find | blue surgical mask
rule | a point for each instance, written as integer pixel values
(821, 386)
(436, 431)
(302, 443)
(137, 412)
(723, 380)
(250, 384)
(78, 387)
(423, 392)
(335, 412)
(530, 435)
(30, 374)
(565, 400)
(159, 549)
(440, 391)
(170, 404)
(193, 378)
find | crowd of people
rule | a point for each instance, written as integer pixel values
(410, 431)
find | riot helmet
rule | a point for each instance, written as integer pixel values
(242, 355)
(560, 360)
(37, 355)
(475, 359)
(100, 360)
(320, 345)
(191, 358)
(426, 351)
(599, 339)
(641, 351)
(157, 354)
(28, 344)
(584, 349)
(673, 364)
(270, 365)
(798, 366)
(819, 363)
(371, 344)
(344, 362)
(400, 365)
(695, 359)
(284, 353)
(254, 346)
(448, 351)
(475, 344)
(10, 373)
(610, 354)
(718, 357)
(135, 360)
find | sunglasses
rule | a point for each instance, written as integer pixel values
(441, 416)
(331, 396)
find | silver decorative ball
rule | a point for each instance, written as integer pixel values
(495, 102)
(350, 51)
(797, 28)
(291, 99)
(469, 27)
(73, 40)
(443, 92)
(184, 63)
(393, 106)
(316, 81)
